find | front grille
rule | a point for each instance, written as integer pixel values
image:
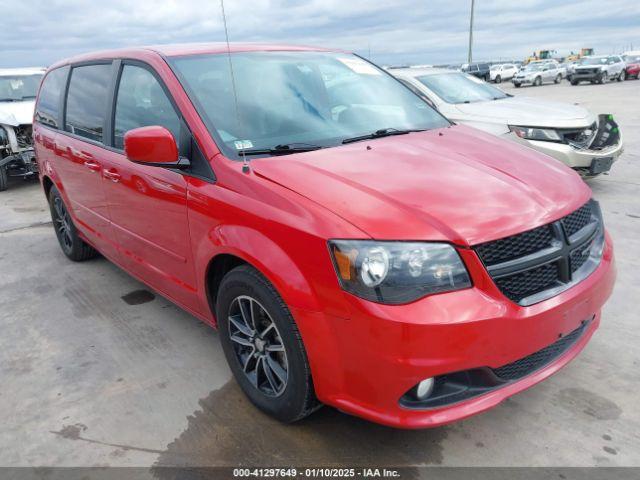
(24, 136)
(579, 137)
(528, 282)
(577, 220)
(586, 71)
(579, 256)
(535, 361)
(537, 264)
(515, 246)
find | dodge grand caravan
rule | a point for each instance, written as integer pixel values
(353, 247)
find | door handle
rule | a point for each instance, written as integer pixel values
(112, 175)
(93, 166)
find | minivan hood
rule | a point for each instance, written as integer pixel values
(17, 113)
(530, 112)
(455, 184)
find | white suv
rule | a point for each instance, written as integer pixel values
(506, 71)
(599, 69)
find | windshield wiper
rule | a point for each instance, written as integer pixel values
(281, 149)
(384, 132)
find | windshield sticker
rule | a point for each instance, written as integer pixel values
(243, 144)
(359, 66)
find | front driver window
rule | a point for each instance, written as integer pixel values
(142, 102)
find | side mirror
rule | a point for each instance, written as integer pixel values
(153, 146)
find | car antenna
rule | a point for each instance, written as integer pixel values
(245, 160)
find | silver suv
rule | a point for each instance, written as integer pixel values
(538, 72)
(599, 69)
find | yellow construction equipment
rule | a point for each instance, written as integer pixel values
(539, 55)
(584, 52)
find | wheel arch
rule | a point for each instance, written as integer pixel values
(235, 245)
(47, 183)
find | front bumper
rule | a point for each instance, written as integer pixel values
(364, 364)
(523, 81)
(570, 156)
(579, 76)
(22, 164)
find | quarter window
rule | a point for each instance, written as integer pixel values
(47, 109)
(87, 100)
(142, 102)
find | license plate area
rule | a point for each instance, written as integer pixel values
(600, 165)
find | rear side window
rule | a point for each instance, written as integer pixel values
(142, 102)
(87, 101)
(47, 109)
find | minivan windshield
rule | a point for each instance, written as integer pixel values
(458, 87)
(299, 100)
(15, 88)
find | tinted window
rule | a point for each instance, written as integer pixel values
(47, 109)
(142, 102)
(87, 100)
(483, 66)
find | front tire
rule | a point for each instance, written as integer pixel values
(604, 78)
(558, 79)
(4, 179)
(71, 244)
(263, 346)
(498, 79)
(574, 82)
(537, 82)
(517, 85)
(622, 76)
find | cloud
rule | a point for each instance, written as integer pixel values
(39, 32)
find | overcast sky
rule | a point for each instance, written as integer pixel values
(394, 31)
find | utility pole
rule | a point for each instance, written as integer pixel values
(470, 56)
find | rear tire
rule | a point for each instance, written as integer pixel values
(4, 179)
(71, 244)
(266, 346)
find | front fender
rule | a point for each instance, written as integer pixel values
(265, 255)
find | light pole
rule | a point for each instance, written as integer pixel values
(470, 55)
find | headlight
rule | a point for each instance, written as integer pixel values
(544, 134)
(397, 272)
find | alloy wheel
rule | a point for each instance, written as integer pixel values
(62, 223)
(258, 346)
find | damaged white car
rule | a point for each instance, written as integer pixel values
(586, 142)
(18, 90)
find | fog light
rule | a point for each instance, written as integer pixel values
(424, 388)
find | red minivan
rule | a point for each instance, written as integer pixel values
(353, 247)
